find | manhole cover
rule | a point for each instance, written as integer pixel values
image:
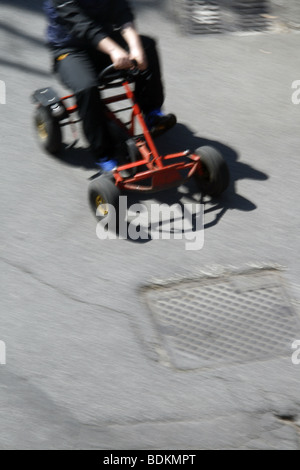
(218, 321)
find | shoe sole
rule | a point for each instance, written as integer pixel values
(164, 127)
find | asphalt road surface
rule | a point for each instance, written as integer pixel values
(84, 367)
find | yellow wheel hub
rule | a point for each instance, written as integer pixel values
(101, 205)
(42, 130)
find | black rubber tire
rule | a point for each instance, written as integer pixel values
(134, 155)
(48, 130)
(216, 177)
(102, 192)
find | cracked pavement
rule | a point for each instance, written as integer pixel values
(83, 369)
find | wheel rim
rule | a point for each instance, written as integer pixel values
(101, 205)
(42, 130)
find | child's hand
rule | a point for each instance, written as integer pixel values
(120, 58)
(138, 55)
(136, 50)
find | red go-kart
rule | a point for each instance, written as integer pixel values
(145, 170)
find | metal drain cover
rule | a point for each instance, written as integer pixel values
(228, 319)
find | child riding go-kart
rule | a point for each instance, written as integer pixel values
(143, 168)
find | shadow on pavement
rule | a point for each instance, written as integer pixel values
(33, 5)
(176, 140)
(77, 157)
(9, 29)
(26, 69)
(181, 138)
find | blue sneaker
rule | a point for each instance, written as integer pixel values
(107, 164)
(158, 122)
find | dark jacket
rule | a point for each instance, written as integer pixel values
(83, 23)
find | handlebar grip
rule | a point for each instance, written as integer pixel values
(110, 74)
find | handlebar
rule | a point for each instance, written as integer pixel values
(110, 74)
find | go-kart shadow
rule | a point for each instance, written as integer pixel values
(181, 138)
(178, 139)
(75, 156)
(166, 219)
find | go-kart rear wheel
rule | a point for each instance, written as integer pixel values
(48, 130)
(213, 178)
(104, 200)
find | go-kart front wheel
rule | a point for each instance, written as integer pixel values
(48, 130)
(213, 177)
(103, 198)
